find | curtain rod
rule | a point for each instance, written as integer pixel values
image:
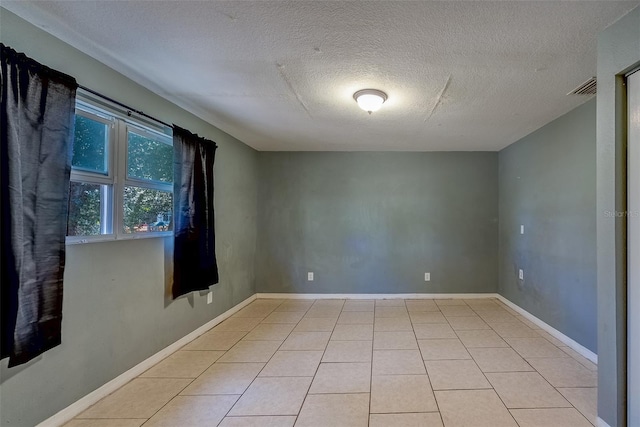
(130, 110)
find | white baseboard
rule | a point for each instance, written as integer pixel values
(585, 352)
(85, 402)
(601, 423)
(373, 296)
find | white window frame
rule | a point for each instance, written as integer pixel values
(120, 124)
(123, 167)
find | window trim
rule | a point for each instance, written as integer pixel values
(117, 179)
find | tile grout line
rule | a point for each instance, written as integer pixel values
(489, 382)
(178, 393)
(537, 372)
(240, 395)
(192, 379)
(423, 361)
(318, 367)
(266, 363)
(247, 333)
(373, 339)
(534, 370)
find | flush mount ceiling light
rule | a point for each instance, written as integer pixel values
(370, 100)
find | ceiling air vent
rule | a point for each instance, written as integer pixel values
(586, 88)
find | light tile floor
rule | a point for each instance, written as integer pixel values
(337, 363)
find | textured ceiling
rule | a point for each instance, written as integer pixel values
(279, 75)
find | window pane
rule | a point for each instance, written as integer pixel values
(147, 210)
(90, 145)
(149, 159)
(85, 209)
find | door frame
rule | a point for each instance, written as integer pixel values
(632, 80)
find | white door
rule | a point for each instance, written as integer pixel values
(633, 218)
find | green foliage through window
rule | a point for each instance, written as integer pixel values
(147, 210)
(149, 159)
(90, 145)
(84, 209)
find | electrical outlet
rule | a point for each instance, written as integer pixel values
(427, 277)
(209, 297)
(310, 276)
(522, 229)
(521, 274)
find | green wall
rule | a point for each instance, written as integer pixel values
(376, 222)
(618, 53)
(547, 184)
(363, 223)
(115, 312)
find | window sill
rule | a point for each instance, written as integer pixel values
(71, 241)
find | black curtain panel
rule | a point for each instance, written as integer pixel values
(37, 121)
(194, 255)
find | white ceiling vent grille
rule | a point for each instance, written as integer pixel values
(587, 88)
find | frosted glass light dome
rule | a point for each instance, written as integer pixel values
(370, 100)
